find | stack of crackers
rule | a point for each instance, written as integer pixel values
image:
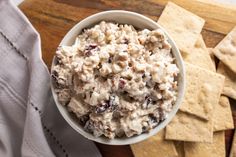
(198, 128)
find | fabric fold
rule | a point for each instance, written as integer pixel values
(30, 123)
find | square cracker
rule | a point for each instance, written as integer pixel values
(230, 80)
(183, 26)
(199, 55)
(187, 127)
(225, 51)
(203, 89)
(155, 146)
(214, 149)
(222, 117)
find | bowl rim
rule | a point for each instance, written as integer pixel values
(137, 138)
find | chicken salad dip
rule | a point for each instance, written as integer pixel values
(117, 80)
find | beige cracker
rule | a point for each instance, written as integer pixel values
(225, 51)
(203, 89)
(182, 25)
(187, 127)
(199, 55)
(155, 146)
(230, 80)
(222, 117)
(215, 149)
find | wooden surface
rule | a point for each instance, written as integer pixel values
(53, 18)
(233, 146)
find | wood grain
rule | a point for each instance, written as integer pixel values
(54, 18)
(233, 147)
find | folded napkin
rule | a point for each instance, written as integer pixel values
(30, 124)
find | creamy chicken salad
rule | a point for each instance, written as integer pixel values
(117, 80)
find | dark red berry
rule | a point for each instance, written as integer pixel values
(152, 118)
(126, 41)
(107, 105)
(88, 49)
(109, 59)
(121, 84)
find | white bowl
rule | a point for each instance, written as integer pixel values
(138, 21)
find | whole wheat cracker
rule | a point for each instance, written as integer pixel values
(187, 127)
(182, 25)
(203, 89)
(222, 117)
(230, 80)
(214, 149)
(155, 146)
(225, 51)
(198, 55)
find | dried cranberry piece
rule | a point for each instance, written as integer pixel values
(143, 76)
(92, 46)
(121, 84)
(152, 118)
(107, 105)
(109, 59)
(102, 107)
(126, 41)
(88, 53)
(88, 49)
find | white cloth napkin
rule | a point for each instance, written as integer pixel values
(30, 124)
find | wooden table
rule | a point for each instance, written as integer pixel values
(53, 18)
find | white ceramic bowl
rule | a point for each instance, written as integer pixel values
(139, 22)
